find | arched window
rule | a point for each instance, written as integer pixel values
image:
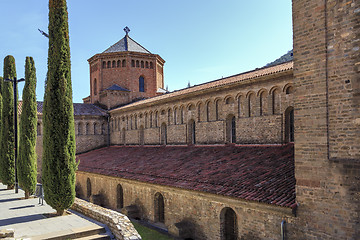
(142, 64)
(208, 111)
(239, 106)
(135, 123)
(182, 115)
(146, 64)
(132, 63)
(114, 64)
(169, 116)
(151, 120)
(80, 128)
(199, 112)
(163, 134)
(131, 122)
(87, 129)
(103, 128)
(175, 116)
(95, 128)
(275, 101)
(192, 133)
(119, 197)
(231, 129)
(228, 227)
(141, 135)
(159, 208)
(217, 109)
(146, 120)
(123, 63)
(141, 84)
(103, 64)
(156, 119)
(137, 63)
(118, 64)
(88, 188)
(95, 86)
(108, 64)
(151, 65)
(251, 101)
(289, 125)
(38, 129)
(289, 90)
(261, 103)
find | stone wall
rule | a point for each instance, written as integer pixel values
(327, 141)
(259, 107)
(202, 212)
(119, 224)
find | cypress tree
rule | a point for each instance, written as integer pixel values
(7, 126)
(59, 165)
(28, 123)
(1, 80)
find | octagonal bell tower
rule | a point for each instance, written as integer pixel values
(123, 73)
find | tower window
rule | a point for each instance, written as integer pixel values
(137, 63)
(141, 84)
(132, 63)
(142, 64)
(146, 64)
(108, 64)
(124, 63)
(151, 65)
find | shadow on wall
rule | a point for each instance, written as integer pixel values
(188, 229)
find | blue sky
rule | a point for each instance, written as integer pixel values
(199, 40)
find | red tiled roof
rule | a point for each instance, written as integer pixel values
(218, 83)
(263, 173)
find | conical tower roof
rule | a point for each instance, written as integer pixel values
(126, 44)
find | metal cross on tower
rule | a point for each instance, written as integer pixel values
(127, 30)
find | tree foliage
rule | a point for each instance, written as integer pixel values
(59, 165)
(7, 125)
(26, 166)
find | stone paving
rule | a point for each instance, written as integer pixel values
(26, 217)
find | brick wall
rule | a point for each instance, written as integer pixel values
(326, 102)
(202, 210)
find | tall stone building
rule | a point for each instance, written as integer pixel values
(270, 153)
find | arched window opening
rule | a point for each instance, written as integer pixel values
(175, 116)
(199, 112)
(151, 65)
(95, 86)
(132, 63)
(146, 64)
(142, 64)
(123, 63)
(131, 122)
(103, 64)
(261, 103)
(119, 197)
(156, 119)
(87, 129)
(80, 130)
(151, 120)
(38, 129)
(275, 102)
(146, 120)
(114, 64)
(231, 129)
(208, 111)
(169, 116)
(135, 121)
(137, 63)
(217, 109)
(95, 128)
(229, 100)
(103, 128)
(88, 188)
(141, 135)
(182, 115)
(108, 64)
(239, 106)
(141, 84)
(118, 64)
(228, 221)
(289, 125)
(191, 132)
(159, 208)
(251, 101)
(163, 134)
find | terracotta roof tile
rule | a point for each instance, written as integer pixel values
(262, 173)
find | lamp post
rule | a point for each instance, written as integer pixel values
(15, 81)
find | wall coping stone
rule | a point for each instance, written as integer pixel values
(119, 224)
